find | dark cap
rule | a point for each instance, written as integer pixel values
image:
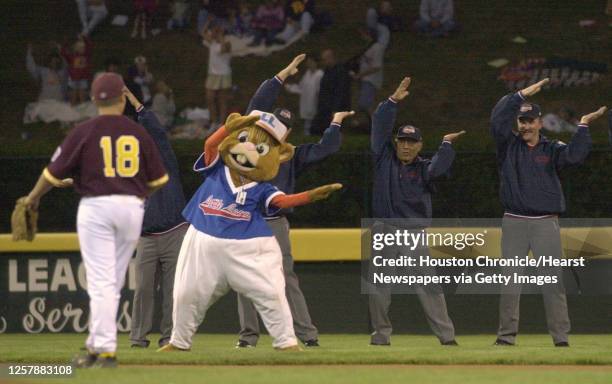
(107, 86)
(285, 116)
(529, 110)
(409, 132)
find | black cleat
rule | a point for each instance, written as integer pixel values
(451, 343)
(244, 344)
(380, 344)
(562, 344)
(311, 343)
(105, 360)
(84, 360)
(503, 343)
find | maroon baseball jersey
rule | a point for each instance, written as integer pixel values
(108, 155)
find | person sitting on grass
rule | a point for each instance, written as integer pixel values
(53, 77)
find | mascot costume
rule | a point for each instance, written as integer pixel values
(228, 244)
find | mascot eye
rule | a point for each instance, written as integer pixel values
(263, 149)
(243, 136)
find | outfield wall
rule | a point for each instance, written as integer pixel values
(42, 290)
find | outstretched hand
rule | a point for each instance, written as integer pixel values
(292, 68)
(452, 136)
(339, 116)
(534, 88)
(323, 192)
(131, 98)
(586, 119)
(402, 90)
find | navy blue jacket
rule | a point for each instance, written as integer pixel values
(529, 181)
(402, 190)
(264, 99)
(163, 208)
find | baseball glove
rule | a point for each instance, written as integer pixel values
(24, 221)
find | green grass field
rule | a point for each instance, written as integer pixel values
(340, 359)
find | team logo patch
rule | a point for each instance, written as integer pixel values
(408, 130)
(526, 107)
(214, 207)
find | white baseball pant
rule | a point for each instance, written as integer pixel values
(109, 229)
(208, 267)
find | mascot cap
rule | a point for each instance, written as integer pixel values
(271, 124)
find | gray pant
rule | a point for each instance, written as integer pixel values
(156, 258)
(249, 323)
(542, 237)
(432, 301)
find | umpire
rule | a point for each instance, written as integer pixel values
(401, 189)
(532, 197)
(306, 154)
(163, 230)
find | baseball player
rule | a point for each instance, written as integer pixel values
(532, 197)
(304, 155)
(115, 165)
(163, 230)
(402, 189)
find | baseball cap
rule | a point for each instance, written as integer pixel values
(529, 110)
(409, 132)
(269, 123)
(107, 86)
(285, 116)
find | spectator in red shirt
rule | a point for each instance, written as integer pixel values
(79, 68)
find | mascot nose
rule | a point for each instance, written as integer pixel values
(249, 146)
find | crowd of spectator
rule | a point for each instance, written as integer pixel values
(324, 88)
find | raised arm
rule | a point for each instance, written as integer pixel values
(504, 113)
(443, 159)
(149, 121)
(146, 118)
(306, 154)
(266, 95)
(579, 147)
(31, 64)
(384, 118)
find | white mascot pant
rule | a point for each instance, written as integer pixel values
(209, 266)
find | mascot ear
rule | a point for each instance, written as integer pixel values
(235, 121)
(286, 151)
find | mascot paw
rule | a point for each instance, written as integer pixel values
(323, 192)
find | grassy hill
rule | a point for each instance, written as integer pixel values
(452, 89)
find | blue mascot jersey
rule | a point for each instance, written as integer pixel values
(214, 208)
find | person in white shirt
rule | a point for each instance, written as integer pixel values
(308, 89)
(219, 80)
(370, 73)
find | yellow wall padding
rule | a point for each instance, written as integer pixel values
(344, 244)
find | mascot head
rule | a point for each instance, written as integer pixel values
(255, 146)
